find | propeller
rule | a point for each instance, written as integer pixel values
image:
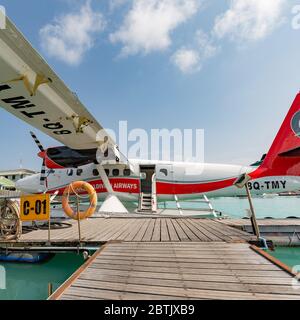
(43, 169)
(37, 141)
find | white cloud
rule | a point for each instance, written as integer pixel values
(205, 45)
(191, 60)
(148, 25)
(249, 19)
(70, 36)
(187, 60)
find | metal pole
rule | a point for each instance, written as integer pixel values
(78, 221)
(253, 216)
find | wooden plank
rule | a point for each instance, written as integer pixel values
(191, 235)
(205, 267)
(119, 233)
(204, 225)
(139, 236)
(172, 232)
(217, 269)
(170, 291)
(149, 232)
(164, 230)
(114, 295)
(156, 231)
(180, 233)
(196, 231)
(135, 227)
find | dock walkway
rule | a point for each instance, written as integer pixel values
(101, 230)
(164, 258)
(172, 270)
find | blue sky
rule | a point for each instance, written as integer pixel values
(229, 67)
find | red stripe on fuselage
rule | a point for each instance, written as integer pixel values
(190, 188)
(119, 185)
(162, 188)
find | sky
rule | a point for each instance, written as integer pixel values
(231, 68)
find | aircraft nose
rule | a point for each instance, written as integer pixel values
(19, 185)
(27, 185)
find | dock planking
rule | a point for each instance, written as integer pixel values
(155, 229)
(163, 258)
(173, 270)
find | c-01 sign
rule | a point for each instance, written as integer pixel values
(35, 207)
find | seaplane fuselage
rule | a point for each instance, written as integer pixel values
(165, 179)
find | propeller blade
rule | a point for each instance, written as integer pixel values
(37, 141)
(43, 174)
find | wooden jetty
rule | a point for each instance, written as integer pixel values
(172, 270)
(98, 231)
(164, 258)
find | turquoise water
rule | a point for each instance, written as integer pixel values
(277, 207)
(289, 256)
(30, 281)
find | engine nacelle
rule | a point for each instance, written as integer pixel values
(64, 157)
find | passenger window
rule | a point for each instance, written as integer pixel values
(107, 172)
(164, 172)
(95, 173)
(126, 172)
(70, 172)
(79, 172)
(115, 172)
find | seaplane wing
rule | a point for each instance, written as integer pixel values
(30, 90)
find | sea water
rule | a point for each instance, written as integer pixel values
(24, 281)
(288, 255)
(276, 207)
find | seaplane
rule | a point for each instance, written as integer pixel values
(33, 92)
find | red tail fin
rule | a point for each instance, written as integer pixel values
(283, 157)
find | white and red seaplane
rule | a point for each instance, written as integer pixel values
(30, 90)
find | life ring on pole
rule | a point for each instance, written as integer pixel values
(75, 188)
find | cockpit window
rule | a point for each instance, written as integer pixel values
(79, 172)
(164, 172)
(70, 172)
(95, 173)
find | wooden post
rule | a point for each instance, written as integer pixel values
(49, 228)
(78, 221)
(50, 289)
(253, 216)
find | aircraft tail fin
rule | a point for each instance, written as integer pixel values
(283, 157)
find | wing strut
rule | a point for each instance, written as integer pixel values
(111, 204)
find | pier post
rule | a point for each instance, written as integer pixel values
(241, 182)
(49, 228)
(78, 222)
(253, 216)
(50, 289)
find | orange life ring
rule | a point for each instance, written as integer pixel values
(75, 188)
